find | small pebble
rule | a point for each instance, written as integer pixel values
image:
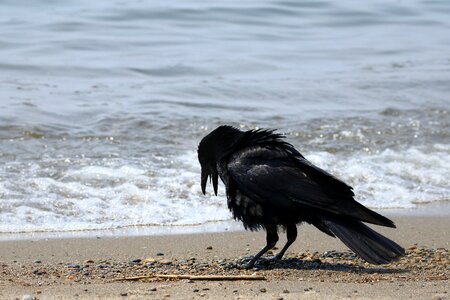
(196, 290)
(40, 272)
(159, 254)
(165, 261)
(413, 247)
(263, 290)
(37, 261)
(123, 294)
(153, 289)
(134, 261)
(286, 291)
(74, 266)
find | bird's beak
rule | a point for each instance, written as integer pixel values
(203, 181)
(214, 177)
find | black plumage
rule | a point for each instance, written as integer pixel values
(270, 184)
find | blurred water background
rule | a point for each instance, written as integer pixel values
(103, 103)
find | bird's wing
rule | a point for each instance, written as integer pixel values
(271, 176)
(274, 177)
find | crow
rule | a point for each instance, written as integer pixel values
(270, 185)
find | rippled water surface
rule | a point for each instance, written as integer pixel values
(103, 103)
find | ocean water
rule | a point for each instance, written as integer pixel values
(103, 103)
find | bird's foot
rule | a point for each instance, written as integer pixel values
(246, 263)
(262, 261)
(250, 265)
(276, 258)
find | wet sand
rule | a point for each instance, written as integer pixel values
(315, 267)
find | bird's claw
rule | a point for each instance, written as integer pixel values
(275, 258)
(249, 265)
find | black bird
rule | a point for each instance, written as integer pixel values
(269, 184)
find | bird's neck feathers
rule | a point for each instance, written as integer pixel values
(267, 138)
(262, 136)
(224, 140)
(230, 139)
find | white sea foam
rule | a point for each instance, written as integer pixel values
(112, 196)
(98, 197)
(393, 179)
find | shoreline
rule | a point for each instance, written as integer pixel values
(87, 267)
(437, 209)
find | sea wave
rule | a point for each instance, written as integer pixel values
(116, 196)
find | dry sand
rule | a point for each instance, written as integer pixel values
(316, 266)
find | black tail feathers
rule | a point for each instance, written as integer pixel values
(365, 242)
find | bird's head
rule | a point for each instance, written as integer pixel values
(212, 149)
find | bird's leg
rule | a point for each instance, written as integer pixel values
(272, 239)
(291, 233)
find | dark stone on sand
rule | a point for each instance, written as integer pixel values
(134, 261)
(102, 267)
(39, 272)
(74, 266)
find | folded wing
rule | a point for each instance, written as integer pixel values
(273, 176)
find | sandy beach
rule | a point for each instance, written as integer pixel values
(316, 266)
(103, 109)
